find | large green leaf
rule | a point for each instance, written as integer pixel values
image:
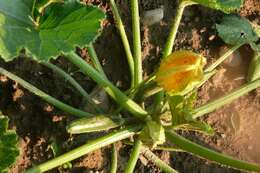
(60, 30)
(226, 6)
(8, 142)
(235, 29)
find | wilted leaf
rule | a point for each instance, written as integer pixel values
(181, 108)
(153, 133)
(8, 142)
(226, 6)
(198, 126)
(235, 29)
(64, 27)
(254, 68)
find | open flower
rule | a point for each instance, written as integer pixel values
(180, 72)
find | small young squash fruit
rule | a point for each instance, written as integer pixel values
(94, 124)
(180, 72)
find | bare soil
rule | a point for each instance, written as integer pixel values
(38, 124)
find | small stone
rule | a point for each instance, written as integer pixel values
(212, 37)
(203, 30)
(223, 135)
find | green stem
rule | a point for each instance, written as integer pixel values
(211, 106)
(172, 149)
(206, 153)
(163, 148)
(152, 92)
(44, 6)
(84, 149)
(33, 10)
(223, 58)
(206, 77)
(113, 159)
(137, 42)
(176, 22)
(95, 60)
(114, 92)
(45, 96)
(121, 29)
(74, 83)
(169, 46)
(157, 161)
(134, 156)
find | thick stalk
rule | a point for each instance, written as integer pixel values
(134, 156)
(84, 149)
(137, 42)
(44, 96)
(114, 92)
(157, 161)
(113, 159)
(169, 46)
(175, 25)
(95, 60)
(206, 153)
(211, 106)
(162, 148)
(223, 58)
(74, 83)
(121, 29)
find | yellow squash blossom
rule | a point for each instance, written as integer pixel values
(180, 72)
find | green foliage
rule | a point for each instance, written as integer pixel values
(42, 5)
(181, 108)
(226, 6)
(51, 27)
(153, 133)
(60, 30)
(8, 142)
(235, 29)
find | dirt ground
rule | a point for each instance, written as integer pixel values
(38, 124)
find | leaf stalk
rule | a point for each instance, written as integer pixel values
(121, 29)
(215, 104)
(84, 149)
(44, 96)
(134, 156)
(206, 153)
(113, 91)
(137, 42)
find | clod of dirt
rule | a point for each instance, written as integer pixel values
(93, 160)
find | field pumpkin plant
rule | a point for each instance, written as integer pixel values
(44, 30)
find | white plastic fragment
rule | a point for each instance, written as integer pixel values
(151, 17)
